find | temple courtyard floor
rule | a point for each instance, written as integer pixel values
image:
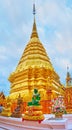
(49, 123)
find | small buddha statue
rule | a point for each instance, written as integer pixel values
(35, 98)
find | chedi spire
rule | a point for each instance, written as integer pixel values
(34, 30)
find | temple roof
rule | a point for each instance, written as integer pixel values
(2, 95)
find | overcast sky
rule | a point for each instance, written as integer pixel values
(54, 25)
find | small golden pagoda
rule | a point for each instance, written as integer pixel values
(7, 109)
(35, 70)
(68, 92)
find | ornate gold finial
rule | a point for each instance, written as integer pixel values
(68, 78)
(34, 30)
(68, 74)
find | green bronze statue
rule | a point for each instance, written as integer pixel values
(35, 99)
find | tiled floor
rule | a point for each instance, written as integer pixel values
(46, 117)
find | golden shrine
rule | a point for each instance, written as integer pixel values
(7, 109)
(68, 93)
(35, 70)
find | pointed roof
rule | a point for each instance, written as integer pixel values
(34, 30)
(2, 95)
(68, 74)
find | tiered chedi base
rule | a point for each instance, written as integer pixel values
(34, 113)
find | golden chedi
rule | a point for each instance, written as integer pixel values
(7, 110)
(34, 109)
(34, 70)
(68, 92)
